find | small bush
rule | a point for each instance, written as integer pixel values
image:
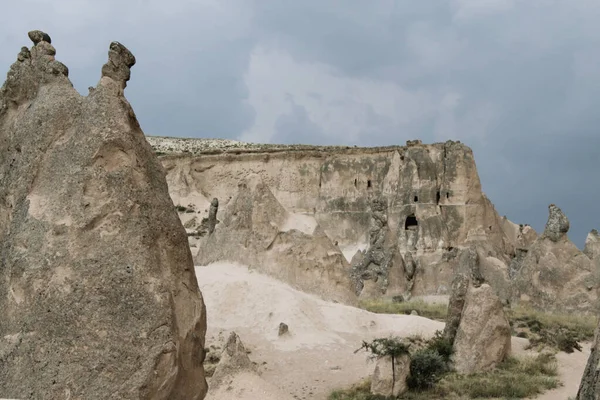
(441, 345)
(392, 347)
(426, 368)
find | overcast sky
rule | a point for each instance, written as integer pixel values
(516, 80)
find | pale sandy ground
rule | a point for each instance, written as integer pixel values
(303, 222)
(318, 354)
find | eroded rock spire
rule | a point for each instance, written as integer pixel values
(32, 68)
(120, 61)
(557, 225)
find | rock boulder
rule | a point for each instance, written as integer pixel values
(483, 336)
(390, 382)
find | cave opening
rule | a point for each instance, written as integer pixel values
(447, 195)
(355, 182)
(411, 223)
(416, 199)
(438, 197)
(369, 184)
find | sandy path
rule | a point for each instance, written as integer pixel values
(317, 356)
(570, 369)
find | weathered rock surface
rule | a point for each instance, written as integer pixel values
(234, 360)
(390, 382)
(99, 296)
(592, 245)
(406, 214)
(483, 336)
(256, 230)
(557, 225)
(589, 388)
(553, 274)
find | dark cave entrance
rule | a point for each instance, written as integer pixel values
(411, 223)
(369, 184)
(438, 197)
(416, 199)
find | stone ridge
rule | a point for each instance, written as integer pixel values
(167, 146)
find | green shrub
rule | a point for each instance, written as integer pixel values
(441, 345)
(426, 368)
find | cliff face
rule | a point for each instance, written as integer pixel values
(403, 217)
(429, 196)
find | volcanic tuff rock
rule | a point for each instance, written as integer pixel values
(408, 207)
(257, 231)
(99, 294)
(592, 245)
(589, 388)
(406, 213)
(482, 339)
(553, 274)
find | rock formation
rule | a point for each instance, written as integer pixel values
(390, 382)
(482, 338)
(234, 359)
(589, 388)
(592, 245)
(99, 294)
(554, 274)
(257, 231)
(406, 214)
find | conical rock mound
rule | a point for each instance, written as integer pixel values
(97, 286)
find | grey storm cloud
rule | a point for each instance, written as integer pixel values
(517, 80)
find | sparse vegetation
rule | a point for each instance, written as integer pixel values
(563, 332)
(427, 367)
(516, 378)
(392, 347)
(559, 331)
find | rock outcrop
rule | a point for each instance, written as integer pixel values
(589, 388)
(592, 245)
(99, 296)
(256, 230)
(234, 360)
(553, 274)
(404, 214)
(482, 339)
(390, 382)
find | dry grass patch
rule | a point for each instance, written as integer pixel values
(559, 331)
(516, 378)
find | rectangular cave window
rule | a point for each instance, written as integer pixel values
(447, 195)
(438, 197)
(411, 223)
(355, 182)
(416, 198)
(369, 184)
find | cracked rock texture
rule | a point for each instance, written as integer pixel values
(403, 216)
(553, 274)
(99, 296)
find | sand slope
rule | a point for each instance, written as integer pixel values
(317, 356)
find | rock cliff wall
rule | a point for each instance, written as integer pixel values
(402, 216)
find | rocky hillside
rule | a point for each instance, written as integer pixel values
(401, 215)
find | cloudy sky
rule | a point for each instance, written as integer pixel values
(517, 80)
